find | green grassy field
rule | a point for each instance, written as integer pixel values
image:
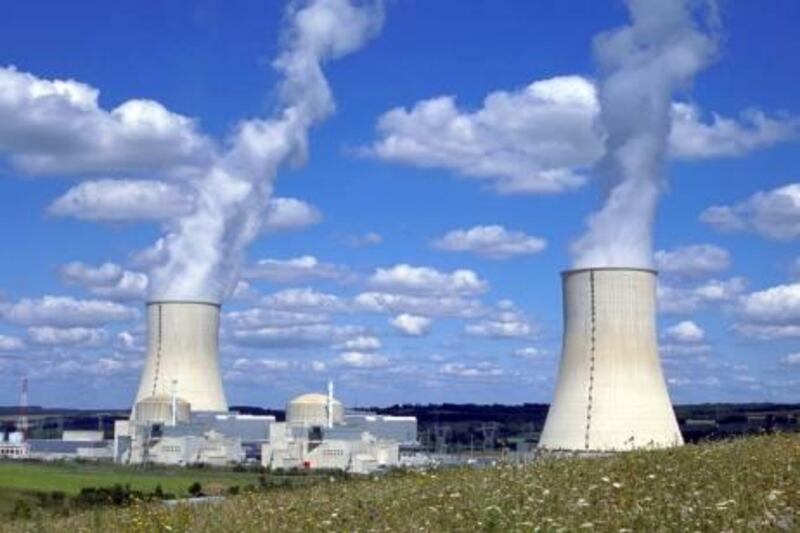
(750, 484)
(20, 480)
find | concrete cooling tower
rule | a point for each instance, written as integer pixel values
(610, 393)
(182, 355)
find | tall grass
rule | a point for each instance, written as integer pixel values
(750, 484)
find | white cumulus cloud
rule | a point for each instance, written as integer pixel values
(65, 312)
(530, 140)
(480, 370)
(542, 138)
(426, 280)
(285, 214)
(685, 299)
(411, 325)
(772, 214)
(57, 126)
(493, 242)
(306, 267)
(362, 343)
(108, 280)
(694, 261)
(123, 200)
(90, 337)
(691, 138)
(354, 359)
(506, 322)
(9, 343)
(685, 332)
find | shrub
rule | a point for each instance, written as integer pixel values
(196, 489)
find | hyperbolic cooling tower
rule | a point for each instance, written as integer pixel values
(182, 354)
(610, 393)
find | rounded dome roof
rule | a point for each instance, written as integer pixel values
(312, 398)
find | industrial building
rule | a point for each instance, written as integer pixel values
(87, 445)
(318, 433)
(181, 416)
(610, 394)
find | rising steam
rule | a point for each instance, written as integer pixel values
(204, 248)
(641, 66)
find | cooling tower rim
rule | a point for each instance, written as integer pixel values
(570, 272)
(180, 302)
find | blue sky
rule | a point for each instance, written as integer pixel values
(484, 323)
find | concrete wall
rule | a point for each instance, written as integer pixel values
(610, 393)
(182, 347)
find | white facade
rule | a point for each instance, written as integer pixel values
(611, 394)
(290, 448)
(182, 355)
(82, 435)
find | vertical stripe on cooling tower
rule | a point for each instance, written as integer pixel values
(158, 352)
(593, 316)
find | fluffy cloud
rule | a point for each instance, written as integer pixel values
(481, 370)
(793, 359)
(685, 332)
(108, 280)
(259, 365)
(506, 322)
(493, 242)
(296, 335)
(362, 360)
(778, 305)
(127, 200)
(530, 140)
(767, 332)
(57, 126)
(363, 343)
(127, 341)
(64, 312)
(772, 214)
(285, 214)
(82, 274)
(425, 280)
(438, 306)
(411, 325)
(691, 138)
(68, 336)
(259, 318)
(304, 299)
(301, 268)
(684, 350)
(8, 343)
(529, 352)
(770, 314)
(123, 200)
(695, 261)
(541, 138)
(674, 299)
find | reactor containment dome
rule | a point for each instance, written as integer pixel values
(314, 409)
(182, 355)
(610, 394)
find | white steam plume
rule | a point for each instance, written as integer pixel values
(641, 66)
(204, 248)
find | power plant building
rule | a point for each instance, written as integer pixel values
(610, 394)
(318, 434)
(181, 416)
